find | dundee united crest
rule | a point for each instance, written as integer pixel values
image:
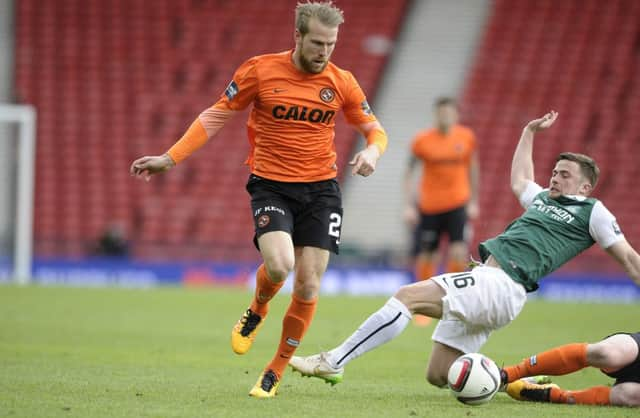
(327, 95)
(263, 221)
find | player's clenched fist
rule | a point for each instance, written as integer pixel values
(364, 162)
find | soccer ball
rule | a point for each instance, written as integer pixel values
(474, 379)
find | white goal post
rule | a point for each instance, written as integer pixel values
(25, 117)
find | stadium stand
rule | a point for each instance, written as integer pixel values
(116, 80)
(580, 57)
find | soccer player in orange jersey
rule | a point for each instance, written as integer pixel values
(448, 191)
(295, 198)
(617, 356)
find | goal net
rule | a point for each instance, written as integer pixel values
(17, 170)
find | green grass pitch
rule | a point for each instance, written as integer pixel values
(165, 353)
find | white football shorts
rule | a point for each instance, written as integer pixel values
(476, 303)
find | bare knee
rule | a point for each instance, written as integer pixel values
(404, 294)
(279, 268)
(423, 297)
(409, 296)
(306, 289)
(434, 376)
(613, 352)
(436, 379)
(599, 355)
(429, 256)
(625, 394)
(458, 251)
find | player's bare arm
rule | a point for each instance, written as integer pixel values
(411, 214)
(628, 258)
(364, 162)
(522, 163)
(473, 207)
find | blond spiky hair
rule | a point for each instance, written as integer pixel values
(326, 13)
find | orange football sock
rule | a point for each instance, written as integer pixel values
(557, 361)
(266, 289)
(454, 266)
(597, 395)
(294, 325)
(424, 270)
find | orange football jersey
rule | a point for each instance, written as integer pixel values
(446, 161)
(291, 125)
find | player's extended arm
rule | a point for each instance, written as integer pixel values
(206, 126)
(364, 162)
(522, 163)
(628, 258)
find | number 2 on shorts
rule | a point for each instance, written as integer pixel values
(334, 225)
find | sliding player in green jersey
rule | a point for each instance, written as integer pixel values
(559, 222)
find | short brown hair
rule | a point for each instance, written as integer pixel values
(588, 166)
(445, 101)
(326, 13)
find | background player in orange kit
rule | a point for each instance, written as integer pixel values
(295, 198)
(448, 191)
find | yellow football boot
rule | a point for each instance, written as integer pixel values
(523, 390)
(266, 386)
(245, 331)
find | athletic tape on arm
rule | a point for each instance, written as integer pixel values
(378, 137)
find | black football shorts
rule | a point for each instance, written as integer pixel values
(310, 212)
(428, 232)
